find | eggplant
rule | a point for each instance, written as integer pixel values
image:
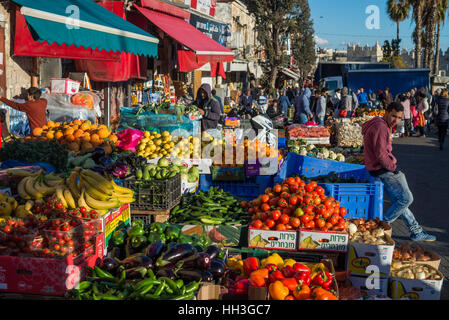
(217, 269)
(189, 275)
(137, 260)
(166, 273)
(110, 265)
(155, 249)
(176, 253)
(203, 262)
(189, 262)
(147, 262)
(230, 274)
(136, 273)
(98, 154)
(212, 251)
(207, 276)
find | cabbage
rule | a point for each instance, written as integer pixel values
(303, 151)
(310, 147)
(332, 155)
(183, 170)
(163, 162)
(340, 157)
(193, 174)
(177, 162)
(325, 152)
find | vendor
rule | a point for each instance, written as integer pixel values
(208, 107)
(35, 108)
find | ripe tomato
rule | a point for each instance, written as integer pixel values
(324, 229)
(56, 247)
(320, 223)
(308, 200)
(265, 207)
(319, 190)
(257, 224)
(333, 220)
(341, 225)
(265, 228)
(314, 184)
(309, 187)
(282, 203)
(269, 223)
(277, 188)
(308, 209)
(328, 225)
(291, 181)
(326, 213)
(273, 201)
(342, 211)
(293, 200)
(287, 211)
(336, 211)
(302, 184)
(280, 227)
(59, 205)
(317, 201)
(306, 218)
(268, 190)
(243, 204)
(285, 195)
(275, 215)
(7, 229)
(264, 198)
(284, 219)
(298, 180)
(288, 227)
(337, 204)
(328, 203)
(295, 222)
(309, 225)
(251, 210)
(294, 189)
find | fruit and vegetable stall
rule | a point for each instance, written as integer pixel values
(142, 213)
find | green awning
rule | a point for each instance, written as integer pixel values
(87, 24)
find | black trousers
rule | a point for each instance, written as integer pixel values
(442, 132)
(408, 126)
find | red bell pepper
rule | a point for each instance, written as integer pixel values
(298, 267)
(275, 275)
(271, 267)
(323, 279)
(238, 278)
(288, 271)
(250, 264)
(303, 277)
(242, 286)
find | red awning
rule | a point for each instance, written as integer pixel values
(25, 45)
(205, 49)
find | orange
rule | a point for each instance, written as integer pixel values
(73, 146)
(69, 131)
(50, 135)
(37, 132)
(93, 127)
(70, 138)
(50, 124)
(77, 122)
(103, 133)
(86, 145)
(102, 126)
(95, 143)
(75, 127)
(59, 135)
(86, 137)
(45, 127)
(85, 126)
(57, 124)
(78, 133)
(95, 138)
(113, 138)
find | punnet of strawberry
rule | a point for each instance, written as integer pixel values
(294, 204)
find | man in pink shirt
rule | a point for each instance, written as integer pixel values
(381, 163)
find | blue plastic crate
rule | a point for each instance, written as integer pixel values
(282, 143)
(361, 200)
(248, 190)
(314, 167)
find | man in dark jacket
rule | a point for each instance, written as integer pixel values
(246, 102)
(284, 103)
(208, 107)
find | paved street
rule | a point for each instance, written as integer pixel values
(427, 172)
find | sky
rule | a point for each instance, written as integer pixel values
(338, 22)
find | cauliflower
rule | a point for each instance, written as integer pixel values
(325, 153)
(340, 157)
(310, 147)
(303, 151)
(332, 155)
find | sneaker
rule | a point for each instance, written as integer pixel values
(422, 236)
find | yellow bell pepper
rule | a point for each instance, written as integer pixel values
(236, 264)
(289, 262)
(315, 269)
(273, 259)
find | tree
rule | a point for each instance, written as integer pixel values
(303, 42)
(398, 11)
(431, 22)
(386, 50)
(275, 21)
(442, 10)
(418, 9)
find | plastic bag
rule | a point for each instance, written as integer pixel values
(129, 139)
(61, 109)
(18, 120)
(89, 100)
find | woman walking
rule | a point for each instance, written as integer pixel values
(442, 115)
(423, 106)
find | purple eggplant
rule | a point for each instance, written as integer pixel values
(166, 273)
(138, 260)
(217, 269)
(207, 276)
(110, 265)
(98, 154)
(136, 273)
(203, 261)
(229, 274)
(155, 249)
(212, 251)
(176, 253)
(189, 275)
(189, 262)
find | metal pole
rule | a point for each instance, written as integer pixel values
(107, 105)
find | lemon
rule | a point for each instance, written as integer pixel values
(166, 134)
(146, 134)
(141, 147)
(140, 153)
(158, 142)
(158, 135)
(158, 148)
(153, 147)
(172, 144)
(166, 146)
(164, 152)
(153, 156)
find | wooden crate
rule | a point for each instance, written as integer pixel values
(151, 216)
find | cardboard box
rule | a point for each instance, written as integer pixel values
(45, 276)
(272, 239)
(64, 86)
(434, 260)
(209, 291)
(232, 236)
(361, 255)
(331, 241)
(412, 289)
(364, 284)
(113, 220)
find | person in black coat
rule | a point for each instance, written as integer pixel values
(208, 107)
(273, 110)
(246, 102)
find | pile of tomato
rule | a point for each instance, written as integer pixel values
(293, 204)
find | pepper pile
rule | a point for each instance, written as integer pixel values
(285, 279)
(213, 207)
(295, 204)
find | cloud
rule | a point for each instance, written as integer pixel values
(320, 41)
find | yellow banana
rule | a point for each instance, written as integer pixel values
(72, 185)
(22, 173)
(120, 189)
(82, 201)
(29, 205)
(21, 190)
(42, 188)
(69, 198)
(60, 195)
(107, 189)
(124, 199)
(101, 205)
(96, 194)
(101, 181)
(31, 190)
(90, 183)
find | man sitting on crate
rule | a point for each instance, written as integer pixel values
(381, 163)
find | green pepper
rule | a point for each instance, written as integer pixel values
(136, 231)
(172, 285)
(157, 227)
(179, 283)
(204, 240)
(154, 236)
(172, 233)
(137, 241)
(185, 296)
(137, 222)
(184, 239)
(118, 238)
(192, 286)
(103, 274)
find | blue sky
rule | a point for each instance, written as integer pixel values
(344, 21)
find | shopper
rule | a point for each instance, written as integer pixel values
(381, 163)
(336, 98)
(214, 94)
(208, 107)
(284, 103)
(345, 106)
(320, 112)
(190, 90)
(246, 103)
(386, 98)
(273, 110)
(405, 101)
(423, 106)
(372, 98)
(262, 102)
(363, 98)
(35, 108)
(302, 107)
(442, 116)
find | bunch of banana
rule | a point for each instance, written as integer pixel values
(7, 205)
(38, 186)
(86, 188)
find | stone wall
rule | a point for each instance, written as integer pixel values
(18, 69)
